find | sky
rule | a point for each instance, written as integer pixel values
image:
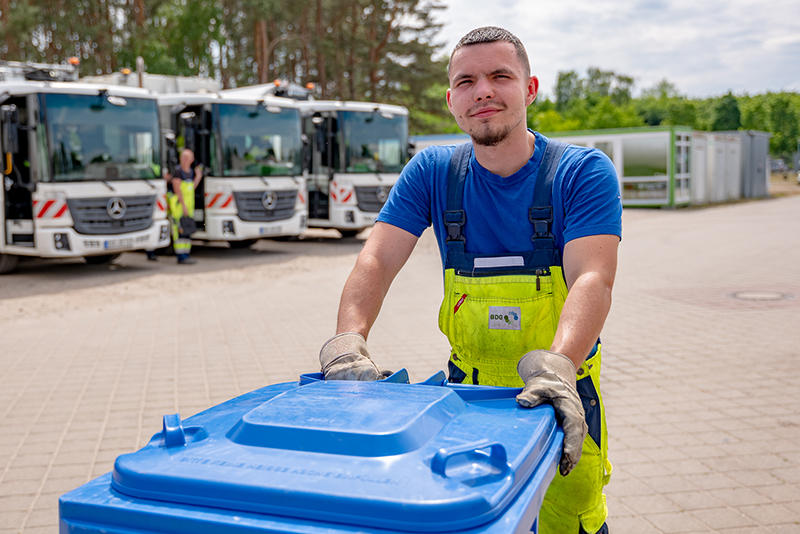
(703, 47)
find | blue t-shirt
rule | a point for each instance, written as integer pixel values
(585, 199)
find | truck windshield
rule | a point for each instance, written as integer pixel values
(374, 142)
(90, 138)
(260, 142)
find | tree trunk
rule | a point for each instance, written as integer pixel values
(12, 50)
(261, 43)
(139, 13)
(304, 48)
(323, 82)
(351, 60)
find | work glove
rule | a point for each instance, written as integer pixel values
(550, 379)
(345, 357)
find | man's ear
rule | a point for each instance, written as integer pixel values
(532, 90)
(447, 97)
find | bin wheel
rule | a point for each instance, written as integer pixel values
(244, 243)
(101, 259)
(8, 262)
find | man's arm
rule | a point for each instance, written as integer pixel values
(384, 254)
(590, 265)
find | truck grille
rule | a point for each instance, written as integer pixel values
(369, 198)
(252, 205)
(91, 215)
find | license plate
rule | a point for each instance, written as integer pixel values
(118, 243)
(269, 230)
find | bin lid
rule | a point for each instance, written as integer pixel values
(408, 457)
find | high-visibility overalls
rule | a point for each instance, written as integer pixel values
(498, 307)
(181, 245)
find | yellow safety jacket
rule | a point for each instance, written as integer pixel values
(498, 307)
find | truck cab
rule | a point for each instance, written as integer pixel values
(251, 149)
(356, 152)
(82, 171)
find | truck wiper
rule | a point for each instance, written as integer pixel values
(147, 181)
(108, 185)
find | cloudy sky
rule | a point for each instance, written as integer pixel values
(704, 47)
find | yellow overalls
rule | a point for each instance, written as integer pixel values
(181, 244)
(498, 307)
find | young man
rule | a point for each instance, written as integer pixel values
(528, 229)
(181, 202)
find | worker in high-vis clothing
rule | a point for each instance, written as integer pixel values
(528, 231)
(184, 181)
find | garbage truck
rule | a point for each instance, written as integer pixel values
(356, 151)
(251, 152)
(82, 169)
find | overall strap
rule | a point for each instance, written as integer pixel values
(541, 213)
(454, 215)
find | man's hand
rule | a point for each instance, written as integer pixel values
(345, 357)
(550, 379)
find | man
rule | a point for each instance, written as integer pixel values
(505, 217)
(181, 203)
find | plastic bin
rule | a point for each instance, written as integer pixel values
(318, 457)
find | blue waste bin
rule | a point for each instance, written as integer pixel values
(318, 457)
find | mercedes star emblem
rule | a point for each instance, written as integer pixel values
(382, 194)
(269, 200)
(116, 208)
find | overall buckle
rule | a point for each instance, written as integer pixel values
(453, 221)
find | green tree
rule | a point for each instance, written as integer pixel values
(569, 88)
(726, 115)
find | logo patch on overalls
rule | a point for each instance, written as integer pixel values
(504, 318)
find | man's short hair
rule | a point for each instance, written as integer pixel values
(492, 34)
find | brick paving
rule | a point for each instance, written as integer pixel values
(700, 387)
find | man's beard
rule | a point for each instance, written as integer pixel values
(490, 138)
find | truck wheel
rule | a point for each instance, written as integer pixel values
(8, 263)
(350, 233)
(101, 260)
(244, 243)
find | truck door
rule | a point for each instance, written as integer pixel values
(193, 133)
(18, 185)
(324, 162)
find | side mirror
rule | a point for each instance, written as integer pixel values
(172, 148)
(10, 120)
(306, 153)
(410, 150)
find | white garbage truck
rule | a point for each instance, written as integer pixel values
(82, 169)
(251, 150)
(355, 152)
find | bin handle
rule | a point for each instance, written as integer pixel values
(497, 455)
(174, 435)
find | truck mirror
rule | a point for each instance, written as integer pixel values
(306, 153)
(10, 119)
(172, 148)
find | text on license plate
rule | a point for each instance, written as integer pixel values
(118, 243)
(269, 230)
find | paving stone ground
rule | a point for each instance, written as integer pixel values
(701, 387)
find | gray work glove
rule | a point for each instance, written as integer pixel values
(345, 357)
(550, 378)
